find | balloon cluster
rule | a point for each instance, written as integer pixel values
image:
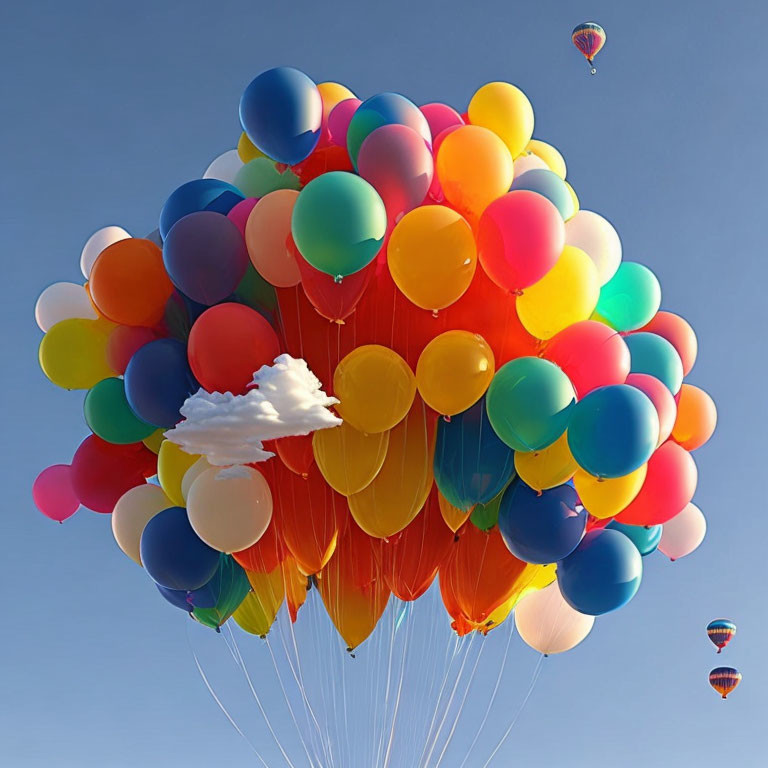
(512, 413)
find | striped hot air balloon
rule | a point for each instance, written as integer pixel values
(721, 632)
(724, 680)
(589, 38)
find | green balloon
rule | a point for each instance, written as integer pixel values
(485, 516)
(529, 403)
(260, 176)
(256, 292)
(110, 417)
(338, 223)
(630, 298)
(233, 587)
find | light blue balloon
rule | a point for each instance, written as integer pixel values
(548, 184)
(645, 538)
(654, 355)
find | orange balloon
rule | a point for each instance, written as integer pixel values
(295, 586)
(128, 282)
(696, 418)
(474, 167)
(353, 589)
(453, 516)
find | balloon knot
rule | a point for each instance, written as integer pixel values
(447, 419)
(338, 279)
(339, 322)
(218, 629)
(434, 313)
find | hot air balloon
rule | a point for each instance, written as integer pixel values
(589, 38)
(724, 679)
(721, 632)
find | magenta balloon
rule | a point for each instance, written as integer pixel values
(396, 161)
(663, 401)
(53, 493)
(240, 213)
(339, 119)
(440, 116)
(591, 354)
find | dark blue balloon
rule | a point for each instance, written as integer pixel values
(228, 576)
(645, 538)
(471, 464)
(541, 527)
(602, 574)
(176, 597)
(174, 555)
(654, 355)
(205, 256)
(281, 111)
(158, 380)
(198, 195)
(613, 431)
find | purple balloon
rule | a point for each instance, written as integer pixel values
(339, 119)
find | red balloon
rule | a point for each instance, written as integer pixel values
(668, 487)
(678, 333)
(520, 237)
(296, 453)
(265, 555)
(123, 342)
(102, 472)
(663, 400)
(323, 160)
(227, 344)
(591, 354)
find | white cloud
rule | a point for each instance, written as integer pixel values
(287, 399)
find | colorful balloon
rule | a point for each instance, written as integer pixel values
(589, 38)
(109, 415)
(505, 110)
(724, 680)
(696, 418)
(721, 632)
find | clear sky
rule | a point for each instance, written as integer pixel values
(107, 107)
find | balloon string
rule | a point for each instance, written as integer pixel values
(534, 680)
(406, 644)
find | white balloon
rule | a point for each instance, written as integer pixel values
(529, 162)
(134, 509)
(224, 167)
(97, 242)
(548, 624)
(683, 533)
(63, 301)
(598, 239)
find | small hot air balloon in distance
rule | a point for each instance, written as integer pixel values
(721, 632)
(589, 38)
(724, 680)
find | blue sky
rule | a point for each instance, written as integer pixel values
(107, 107)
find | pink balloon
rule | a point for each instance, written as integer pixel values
(683, 533)
(339, 119)
(396, 161)
(663, 401)
(520, 238)
(436, 190)
(440, 116)
(240, 213)
(591, 354)
(53, 494)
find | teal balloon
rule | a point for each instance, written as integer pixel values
(260, 176)
(654, 355)
(630, 298)
(338, 223)
(645, 537)
(109, 416)
(224, 593)
(550, 185)
(529, 403)
(613, 431)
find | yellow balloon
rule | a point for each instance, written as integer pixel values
(332, 94)
(348, 458)
(134, 509)
(73, 354)
(549, 155)
(257, 612)
(432, 256)
(375, 387)
(608, 496)
(155, 440)
(505, 110)
(229, 509)
(454, 370)
(474, 168)
(574, 199)
(567, 294)
(400, 490)
(247, 150)
(172, 464)
(453, 516)
(547, 468)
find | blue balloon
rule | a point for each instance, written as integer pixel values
(158, 380)
(281, 111)
(198, 195)
(613, 431)
(174, 555)
(645, 537)
(541, 527)
(548, 184)
(471, 464)
(654, 355)
(602, 574)
(205, 256)
(176, 597)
